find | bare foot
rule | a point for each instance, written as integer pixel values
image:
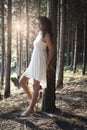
(27, 113)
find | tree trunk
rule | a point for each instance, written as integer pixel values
(39, 6)
(48, 8)
(27, 32)
(20, 49)
(49, 95)
(8, 63)
(3, 46)
(58, 39)
(61, 49)
(75, 51)
(72, 48)
(68, 50)
(17, 41)
(84, 47)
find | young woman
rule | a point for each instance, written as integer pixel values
(39, 63)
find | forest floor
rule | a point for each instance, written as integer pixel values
(71, 104)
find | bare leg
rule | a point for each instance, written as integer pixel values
(23, 82)
(36, 88)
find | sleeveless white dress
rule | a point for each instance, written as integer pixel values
(37, 67)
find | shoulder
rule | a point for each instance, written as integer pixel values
(47, 37)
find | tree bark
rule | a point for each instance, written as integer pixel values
(21, 46)
(48, 8)
(8, 63)
(17, 41)
(75, 51)
(68, 49)
(72, 48)
(3, 46)
(27, 32)
(84, 46)
(61, 49)
(49, 95)
(58, 39)
(39, 6)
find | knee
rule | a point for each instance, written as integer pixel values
(23, 81)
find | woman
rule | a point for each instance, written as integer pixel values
(39, 64)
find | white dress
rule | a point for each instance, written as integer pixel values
(37, 67)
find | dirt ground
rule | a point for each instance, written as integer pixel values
(71, 112)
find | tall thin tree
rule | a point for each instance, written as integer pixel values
(58, 38)
(8, 60)
(68, 49)
(21, 38)
(17, 41)
(61, 49)
(72, 47)
(27, 32)
(3, 45)
(75, 50)
(39, 6)
(84, 47)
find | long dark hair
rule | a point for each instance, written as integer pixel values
(46, 25)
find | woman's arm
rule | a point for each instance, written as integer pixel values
(50, 48)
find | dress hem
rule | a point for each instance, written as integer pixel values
(30, 77)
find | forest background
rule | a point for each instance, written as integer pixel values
(17, 33)
(18, 30)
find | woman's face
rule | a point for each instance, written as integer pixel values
(39, 25)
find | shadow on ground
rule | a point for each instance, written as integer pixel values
(58, 120)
